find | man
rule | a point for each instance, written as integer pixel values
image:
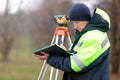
(91, 47)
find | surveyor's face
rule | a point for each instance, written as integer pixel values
(79, 25)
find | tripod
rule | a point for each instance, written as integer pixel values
(59, 35)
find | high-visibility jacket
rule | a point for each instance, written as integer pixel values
(91, 47)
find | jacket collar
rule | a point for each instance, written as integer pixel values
(99, 21)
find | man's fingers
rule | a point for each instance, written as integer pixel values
(43, 52)
(42, 57)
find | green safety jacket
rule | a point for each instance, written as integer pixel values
(90, 59)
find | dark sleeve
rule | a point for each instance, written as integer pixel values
(60, 62)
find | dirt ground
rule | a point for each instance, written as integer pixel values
(114, 76)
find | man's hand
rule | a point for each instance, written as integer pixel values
(43, 57)
(63, 47)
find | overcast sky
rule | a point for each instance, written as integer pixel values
(28, 5)
(14, 5)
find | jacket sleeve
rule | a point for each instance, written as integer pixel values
(60, 62)
(89, 49)
(87, 53)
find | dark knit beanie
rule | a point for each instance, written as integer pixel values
(79, 12)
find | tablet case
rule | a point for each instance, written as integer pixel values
(52, 49)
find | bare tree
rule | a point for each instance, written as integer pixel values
(115, 33)
(7, 32)
(7, 39)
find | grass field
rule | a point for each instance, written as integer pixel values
(22, 65)
(22, 68)
(12, 71)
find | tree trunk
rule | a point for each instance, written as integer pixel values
(5, 57)
(115, 39)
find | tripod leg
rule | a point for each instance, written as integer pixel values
(44, 72)
(41, 71)
(44, 69)
(57, 39)
(56, 76)
(53, 40)
(51, 73)
(62, 40)
(70, 42)
(61, 43)
(52, 69)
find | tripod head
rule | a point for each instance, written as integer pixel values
(61, 20)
